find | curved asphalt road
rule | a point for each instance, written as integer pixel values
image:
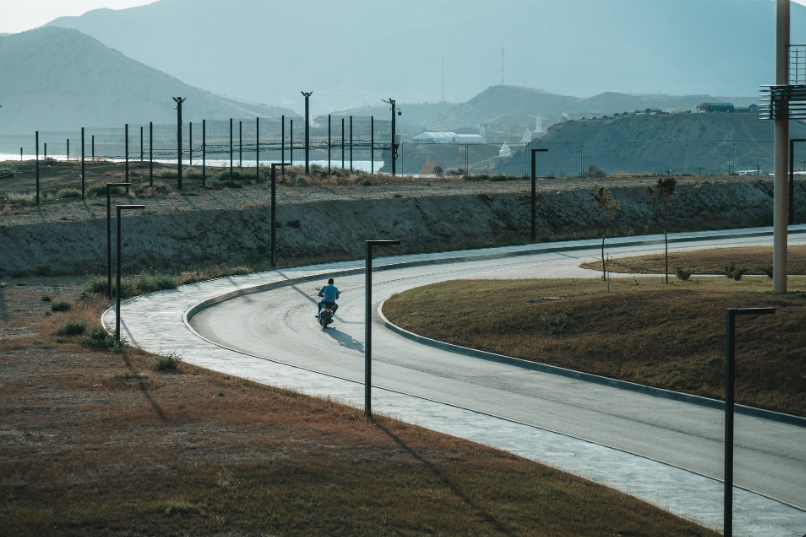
(279, 325)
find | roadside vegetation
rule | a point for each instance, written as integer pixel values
(100, 440)
(643, 330)
(757, 260)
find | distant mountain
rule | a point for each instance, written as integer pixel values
(58, 79)
(270, 50)
(514, 105)
(711, 143)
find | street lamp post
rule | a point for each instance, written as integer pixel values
(307, 133)
(179, 101)
(368, 326)
(117, 277)
(730, 362)
(534, 195)
(109, 187)
(273, 223)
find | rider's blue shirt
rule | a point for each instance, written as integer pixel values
(329, 293)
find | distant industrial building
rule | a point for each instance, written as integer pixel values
(708, 108)
(447, 138)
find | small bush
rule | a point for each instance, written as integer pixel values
(366, 182)
(556, 323)
(301, 181)
(278, 224)
(71, 328)
(6, 173)
(293, 223)
(60, 306)
(397, 195)
(767, 270)
(499, 177)
(684, 274)
(167, 363)
(45, 298)
(167, 174)
(99, 337)
(100, 190)
(67, 193)
(732, 271)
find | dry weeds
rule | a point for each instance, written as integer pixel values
(98, 443)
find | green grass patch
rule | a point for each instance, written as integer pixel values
(168, 362)
(71, 328)
(141, 284)
(68, 193)
(643, 331)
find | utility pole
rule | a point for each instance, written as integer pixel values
(179, 101)
(780, 205)
(394, 143)
(307, 133)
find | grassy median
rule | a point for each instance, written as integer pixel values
(100, 441)
(670, 336)
(753, 258)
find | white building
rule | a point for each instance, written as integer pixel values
(447, 138)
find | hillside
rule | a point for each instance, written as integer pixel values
(344, 52)
(697, 143)
(58, 79)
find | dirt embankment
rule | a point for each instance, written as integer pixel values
(338, 226)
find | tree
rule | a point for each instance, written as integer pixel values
(604, 200)
(662, 197)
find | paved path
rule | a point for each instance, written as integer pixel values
(666, 452)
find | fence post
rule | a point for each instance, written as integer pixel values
(68, 150)
(291, 141)
(83, 173)
(204, 153)
(151, 153)
(179, 101)
(240, 144)
(351, 144)
(20, 154)
(635, 159)
(282, 146)
(142, 150)
(328, 144)
(372, 144)
(93, 148)
(257, 149)
(190, 144)
(37, 167)
(342, 143)
(467, 159)
(46, 150)
(126, 150)
(231, 156)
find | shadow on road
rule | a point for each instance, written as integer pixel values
(345, 340)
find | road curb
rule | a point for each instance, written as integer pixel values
(589, 377)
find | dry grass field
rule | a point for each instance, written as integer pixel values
(95, 442)
(668, 336)
(754, 258)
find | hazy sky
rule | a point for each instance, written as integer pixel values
(21, 15)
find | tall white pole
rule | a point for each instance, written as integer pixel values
(781, 149)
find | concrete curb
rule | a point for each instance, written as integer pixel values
(589, 377)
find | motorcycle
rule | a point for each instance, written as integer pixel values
(325, 316)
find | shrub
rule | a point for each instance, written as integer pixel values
(167, 363)
(767, 270)
(499, 177)
(99, 337)
(684, 274)
(293, 223)
(438, 171)
(555, 323)
(593, 171)
(60, 306)
(166, 174)
(71, 328)
(100, 190)
(6, 173)
(67, 193)
(732, 271)
(45, 298)
(301, 181)
(366, 182)
(397, 195)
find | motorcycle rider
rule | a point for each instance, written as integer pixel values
(329, 295)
